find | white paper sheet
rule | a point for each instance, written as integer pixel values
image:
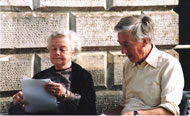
(36, 97)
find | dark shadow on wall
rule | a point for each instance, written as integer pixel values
(183, 9)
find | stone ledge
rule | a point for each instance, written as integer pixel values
(126, 3)
(107, 100)
(68, 5)
(4, 104)
(82, 5)
(178, 47)
(16, 5)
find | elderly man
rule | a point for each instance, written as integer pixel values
(71, 84)
(152, 80)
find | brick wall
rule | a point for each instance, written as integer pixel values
(26, 24)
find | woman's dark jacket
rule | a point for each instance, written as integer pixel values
(81, 84)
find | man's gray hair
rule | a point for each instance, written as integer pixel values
(141, 26)
(74, 39)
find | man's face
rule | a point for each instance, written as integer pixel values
(130, 47)
(60, 52)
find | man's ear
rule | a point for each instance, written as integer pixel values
(146, 41)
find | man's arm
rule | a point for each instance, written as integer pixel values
(156, 111)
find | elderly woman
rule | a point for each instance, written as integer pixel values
(71, 84)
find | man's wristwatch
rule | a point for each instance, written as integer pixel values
(136, 113)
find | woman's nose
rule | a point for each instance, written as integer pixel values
(57, 52)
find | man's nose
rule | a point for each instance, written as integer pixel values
(123, 50)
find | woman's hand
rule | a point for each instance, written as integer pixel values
(18, 98)
(55, 89)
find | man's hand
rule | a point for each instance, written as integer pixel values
(55, 89)
(155, 111)
(128, 114)
(18, 98)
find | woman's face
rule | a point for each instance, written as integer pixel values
(61, 52)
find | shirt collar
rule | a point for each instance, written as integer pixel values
(152, 58)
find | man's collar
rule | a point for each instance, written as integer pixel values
(152, 58)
